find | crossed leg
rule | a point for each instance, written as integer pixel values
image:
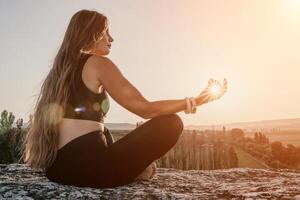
(133, 153)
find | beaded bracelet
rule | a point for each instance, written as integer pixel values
(194, 105)
(188, 103)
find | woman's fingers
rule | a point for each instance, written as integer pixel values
(206, 93)
(210, 81)
(225, 85)
(225, 82)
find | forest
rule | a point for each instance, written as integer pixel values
(194, 150)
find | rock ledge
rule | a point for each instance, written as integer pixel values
(18, 181)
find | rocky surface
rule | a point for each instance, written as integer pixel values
(18, 181)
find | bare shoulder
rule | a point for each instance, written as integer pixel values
(102, 66)
(99, 61)
(117, 85)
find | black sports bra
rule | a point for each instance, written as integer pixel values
(84, 103)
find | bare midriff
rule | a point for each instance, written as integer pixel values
(70, 129)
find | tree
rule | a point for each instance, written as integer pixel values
(260, 137)
(256, 137)
(19, 123)
(291, 153)
(233, 159)
(237, 132)
(6, 121)
(278, 150)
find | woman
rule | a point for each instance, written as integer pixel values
(67, 137)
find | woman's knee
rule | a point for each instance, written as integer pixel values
(169, 125)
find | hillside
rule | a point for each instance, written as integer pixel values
(264, 125)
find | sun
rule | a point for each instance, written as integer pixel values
(215, 89)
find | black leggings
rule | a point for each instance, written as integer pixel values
(95, 160)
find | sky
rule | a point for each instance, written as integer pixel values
(168, 50)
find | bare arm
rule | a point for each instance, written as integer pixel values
(170, 106)
(123, 92)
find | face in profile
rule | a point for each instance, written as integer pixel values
(103, 45)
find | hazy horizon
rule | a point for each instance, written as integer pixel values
(167, 50)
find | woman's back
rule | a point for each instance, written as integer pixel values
(86, 107)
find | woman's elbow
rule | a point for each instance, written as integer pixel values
(147, 116)
(147, 111)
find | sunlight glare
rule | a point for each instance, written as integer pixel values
(215, 89)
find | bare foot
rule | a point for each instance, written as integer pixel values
(148, 173)
(153, 169)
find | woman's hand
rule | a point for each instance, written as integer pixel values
(213, 91)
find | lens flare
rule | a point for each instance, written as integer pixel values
(96, 106)
(80, 109)
(105, 105)
(53, 113)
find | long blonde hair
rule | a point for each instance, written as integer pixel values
(41, 141)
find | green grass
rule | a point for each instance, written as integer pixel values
(247, 160)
